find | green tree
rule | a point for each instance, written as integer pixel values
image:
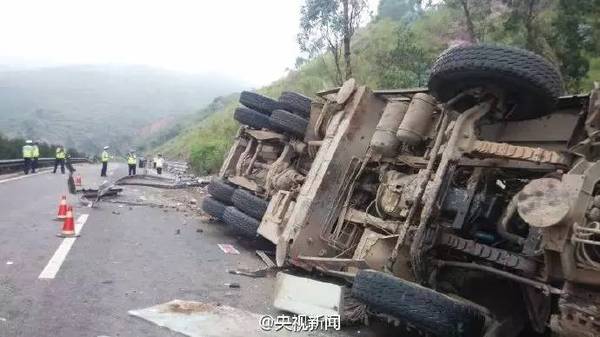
(328, 25)
(406, 11)
(570, 40)
(406, 65)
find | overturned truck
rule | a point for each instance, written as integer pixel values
(468, 208)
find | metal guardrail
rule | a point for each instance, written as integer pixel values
(8, 164)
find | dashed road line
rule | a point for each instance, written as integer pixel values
(60, 255)
(23, 177)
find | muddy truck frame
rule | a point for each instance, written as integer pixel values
(468, 208)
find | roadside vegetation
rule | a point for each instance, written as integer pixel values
(11, 148)
(395, 48)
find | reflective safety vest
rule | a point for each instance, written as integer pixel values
(35, 151)
(60, 153)
(131, 159)
(27, 151)
(159, 162)
(104, 157)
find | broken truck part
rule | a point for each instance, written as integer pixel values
(271, 153)
(480, 218)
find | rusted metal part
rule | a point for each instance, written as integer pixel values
(265, 135)
(424, 177)
(250, 165)
(230, 161)
(245, 157)
(384, 140)
(316, 110)
(547, 130)
(335, 223)
(277, 214)
(418, 119)
(463, 134)
(581, 182)
(539, 308)
(333, 263)
(395, 194)
(245, 183)
(360, 217)
(497, 256)
(345, 91)
(472, 186)
(548, 289)
(382, 92)
(544, 202)
(266, 259)
(579, 312)
(277, 168)
(505, 163)
(505, 150)
(502, 226)
(592, 123)
(349, 137)
(322, 122)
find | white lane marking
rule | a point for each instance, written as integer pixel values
(60, 255)
(23, 177)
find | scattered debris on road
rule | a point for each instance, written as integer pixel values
(228, 249)
(251, 273)
(232, 285)
(304, 296)
(267, 260)
(197, 319)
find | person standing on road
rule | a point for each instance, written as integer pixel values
(27, 156)
(159, 164)
(60, 159)
(131, 162)
(35, 155)
(104, 159)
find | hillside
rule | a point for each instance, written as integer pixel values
(395, 50)
(88, 106)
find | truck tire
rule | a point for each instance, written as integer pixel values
(288, 123)
(532, 84)
(426, 309)
(249, 203)
(252, 118)
(296, 103)
(241, 223)
(259, 102)
(213, 207)
(221, 190)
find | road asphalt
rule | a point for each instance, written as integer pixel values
(127, 257)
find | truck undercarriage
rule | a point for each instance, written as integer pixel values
(468, 208)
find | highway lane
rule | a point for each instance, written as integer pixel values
(126, 258)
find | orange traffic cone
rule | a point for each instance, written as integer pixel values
(62, 208)
(78, 180)
(68, 228)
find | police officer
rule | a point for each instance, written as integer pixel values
(131, 162)
(104, 159)
(159, 164)
(35, 155)
(27, 156)
(59, 158)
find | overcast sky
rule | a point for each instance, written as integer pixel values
(252, 40)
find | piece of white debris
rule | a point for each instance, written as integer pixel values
(2, 319)
(197, 319)
(9, 262)
(228, 249)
